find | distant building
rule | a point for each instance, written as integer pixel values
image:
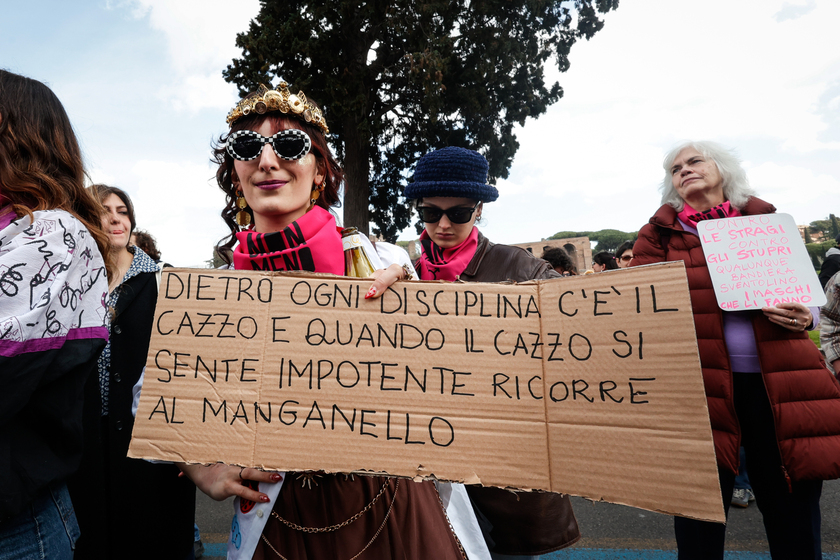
(578, 248)
(413, 249)
(817, 237)
(802, 232)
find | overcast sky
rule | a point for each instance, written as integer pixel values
(141, 80)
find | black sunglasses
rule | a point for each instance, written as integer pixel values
(289, 144)
(456, 214)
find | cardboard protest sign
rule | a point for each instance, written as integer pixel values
(586, 385)
(758, 261)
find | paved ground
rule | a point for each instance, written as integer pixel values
(609, 531)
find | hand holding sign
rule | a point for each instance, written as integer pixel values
(792, 316)
(221, 481)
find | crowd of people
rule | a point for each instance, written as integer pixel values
(563, 263)
(76, 312)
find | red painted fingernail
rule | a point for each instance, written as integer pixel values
(371, 293)
(263, 498)
(276, 477)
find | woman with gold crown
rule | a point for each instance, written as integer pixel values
(280, 180)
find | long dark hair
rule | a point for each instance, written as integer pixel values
(605, 258)
(333, 174)
(40, 160)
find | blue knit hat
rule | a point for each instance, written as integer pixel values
(452, 171)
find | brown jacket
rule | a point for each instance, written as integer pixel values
(804, 396)
(522, 522)
(501, 263)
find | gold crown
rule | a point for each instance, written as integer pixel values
(280, 99)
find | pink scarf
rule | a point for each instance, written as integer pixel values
(445, 264)
(310, 243)
(691, 216)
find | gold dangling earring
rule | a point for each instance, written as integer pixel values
(243, 218)
(319, 189)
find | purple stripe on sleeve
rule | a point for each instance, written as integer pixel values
(7, 217)
(9, 348)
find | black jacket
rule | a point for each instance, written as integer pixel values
(41, 441)
(48, 349)
(128, 508)
(830, 266)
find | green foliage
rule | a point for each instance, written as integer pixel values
(817, 252)
(834, 227)
(821, 226)
(608, 239)
(569, 234)
(808, 236)
(400, 78)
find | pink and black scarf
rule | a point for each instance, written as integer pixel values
(692, 217)
(310, 243)
(445, 264)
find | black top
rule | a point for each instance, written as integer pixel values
(128, 508)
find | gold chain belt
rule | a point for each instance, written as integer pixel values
(331, 528)
(340, 525)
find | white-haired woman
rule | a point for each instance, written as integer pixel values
(766, 383)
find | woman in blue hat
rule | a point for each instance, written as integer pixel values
(449, 191)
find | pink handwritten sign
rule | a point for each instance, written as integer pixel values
(758, 261)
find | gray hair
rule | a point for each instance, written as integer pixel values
(736, 187)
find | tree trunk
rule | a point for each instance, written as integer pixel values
(357, 169)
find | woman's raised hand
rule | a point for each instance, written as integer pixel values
(220, 482)
(386, 277)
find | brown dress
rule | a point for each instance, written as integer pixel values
(405, 522)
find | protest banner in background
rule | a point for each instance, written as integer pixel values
(588, 385)
(759, 261)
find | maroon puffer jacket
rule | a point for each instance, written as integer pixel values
(804, 396)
